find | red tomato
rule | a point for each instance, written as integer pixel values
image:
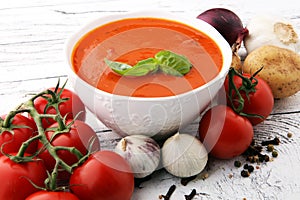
(260, 102)
(10, 142)
(49, 195)
(224, 133)
(104, 176)
(79, 136)
(70, 107)
(15, 178)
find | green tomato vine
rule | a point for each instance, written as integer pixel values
(235, 98)
(54, 99)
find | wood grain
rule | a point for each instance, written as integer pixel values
(33, 35)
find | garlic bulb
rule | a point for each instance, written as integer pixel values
(183, 155)
(141, 152)
(271, 30)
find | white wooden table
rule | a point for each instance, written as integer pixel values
(32, 37)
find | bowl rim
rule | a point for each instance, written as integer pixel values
(198, 24)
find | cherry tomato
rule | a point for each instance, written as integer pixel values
(224, 133)
(260, 102)
(104, 176)
(71, 107)
(17, 178)
(79, 136)
(11, 138)
(52, 195)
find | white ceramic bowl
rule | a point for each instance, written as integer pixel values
(158, 117)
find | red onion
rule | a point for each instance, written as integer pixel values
(227, 23)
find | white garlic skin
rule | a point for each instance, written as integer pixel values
(271, 30)
(141, 152)
(183, 155)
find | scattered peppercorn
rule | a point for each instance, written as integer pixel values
(270, 147)
(253, 159)
(253, 150)
(267, 158)
(289, 135)
(250, 159)
(275, 141)
(250, 168)
(245, 173)
(255, 154)
(264, 158)
(274, 154)
(237, 163)
(204, 176)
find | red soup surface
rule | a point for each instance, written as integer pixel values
(134, 39)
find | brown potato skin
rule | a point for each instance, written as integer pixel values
(281, 69)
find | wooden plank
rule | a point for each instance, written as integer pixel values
(33, 34)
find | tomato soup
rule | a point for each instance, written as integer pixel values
(134, 39)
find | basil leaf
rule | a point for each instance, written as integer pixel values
(118, 67)
(143, 68)
(169, 70)
(168, 59)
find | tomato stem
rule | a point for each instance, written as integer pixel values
(234, 91)
(9, 117)
(54, 99)
(25, 145)
(53, 177)
(73, 150)
(235, 98)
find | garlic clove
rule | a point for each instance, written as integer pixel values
(141, 152)
(285, 33)
(271, 30)
(183, 155)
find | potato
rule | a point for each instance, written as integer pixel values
(281, 69)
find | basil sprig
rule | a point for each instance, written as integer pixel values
(165, 61)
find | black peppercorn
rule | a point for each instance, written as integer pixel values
(267, 158)
(237, 163)
(270, 147)
(245, 173)
(250, 168)
(274, 154)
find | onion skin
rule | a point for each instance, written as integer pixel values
(236, 62)
(227, 23)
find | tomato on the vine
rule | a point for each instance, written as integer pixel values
(105, 175)
(79, 136)
(224, 133)
(70, 107)
(260, 99)
(20, 130)
(52, 195)
(18, 178)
